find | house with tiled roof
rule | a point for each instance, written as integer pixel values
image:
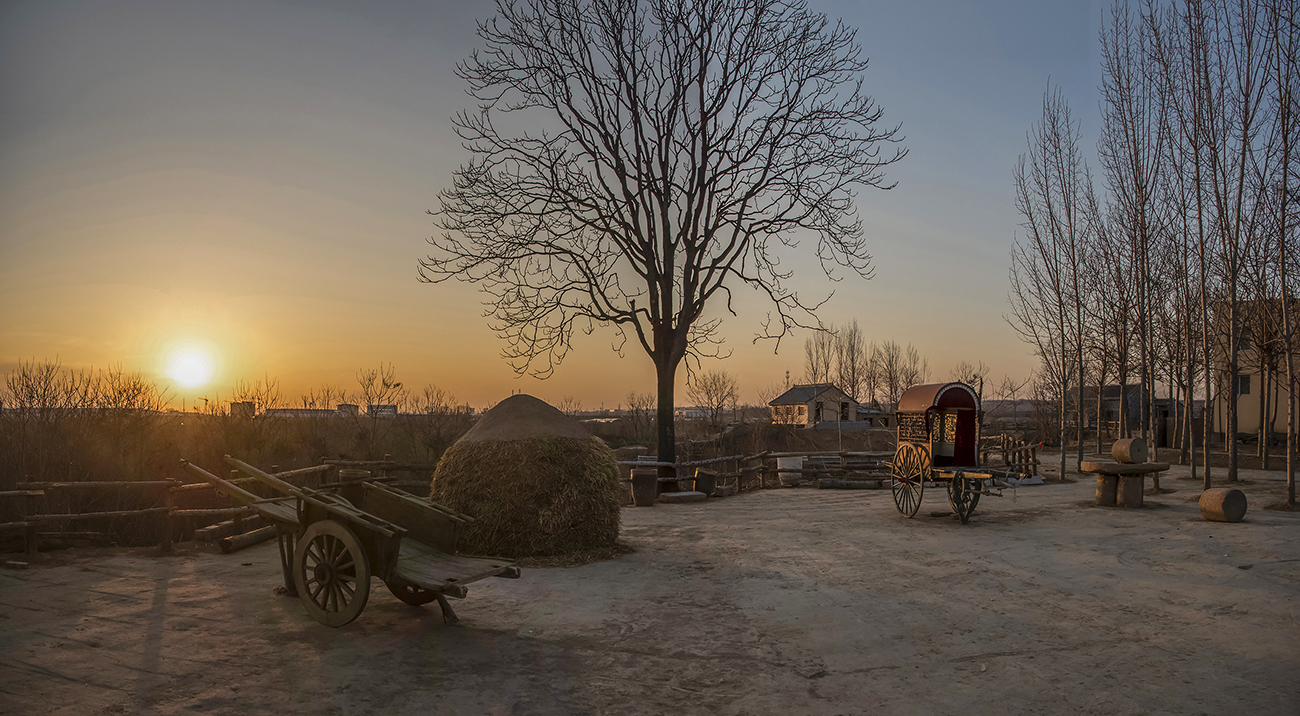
(807, 405)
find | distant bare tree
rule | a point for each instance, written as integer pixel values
(713, 390)
(324, 434)
(871, 375)
(890, 360)
(819, 356)
(1285, 69)
(569, 405)
(680, 149)
(1046, 302)
(851, 360)
(251, 434)
(435, 419)
(641, 415)
(768, 393)
(899, 369)
(915, 369)
(972, 375)
(377, 386)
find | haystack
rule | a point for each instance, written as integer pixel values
(537, 484)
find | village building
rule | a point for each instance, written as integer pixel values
(1260, 386)
(808, 405)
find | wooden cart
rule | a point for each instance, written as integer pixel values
(938, 442)
(330, 548)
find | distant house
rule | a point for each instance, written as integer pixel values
(1261, 367)
(307, 412)
(1166, 412)
(875, 417)
(381, 411)
(807, 405)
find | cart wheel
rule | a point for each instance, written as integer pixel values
(331, 572)
(963, 495)
(409, 593)
(910, 468)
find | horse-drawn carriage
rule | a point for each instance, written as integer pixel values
(938, 443)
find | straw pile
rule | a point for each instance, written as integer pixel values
(537, 484)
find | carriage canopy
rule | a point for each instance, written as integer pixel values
(920, 398)
(946, 417)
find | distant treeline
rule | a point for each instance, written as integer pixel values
(108, 424)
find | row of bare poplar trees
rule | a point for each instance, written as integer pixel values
(1176, 268)
(869, 372)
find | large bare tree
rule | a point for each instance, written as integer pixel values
(1052, 197)
(652, 157)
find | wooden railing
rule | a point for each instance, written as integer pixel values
(1014, 455)
(761, 471)
(37, 505)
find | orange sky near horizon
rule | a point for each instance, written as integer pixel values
(251, 178)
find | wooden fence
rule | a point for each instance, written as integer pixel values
(1015, 455)
(174, 508)
(762, 471)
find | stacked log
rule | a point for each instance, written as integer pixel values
(1129, 450)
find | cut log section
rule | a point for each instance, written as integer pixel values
(1106, 490)
(1129, 493)
(1129, 450)
(1223, 504)
(234, 543)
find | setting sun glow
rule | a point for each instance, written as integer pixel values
(190, 367)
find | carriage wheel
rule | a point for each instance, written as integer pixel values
(910, 468)
(409, 593)
(331, 572)
(963, 495)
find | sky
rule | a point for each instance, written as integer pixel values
(248, 182)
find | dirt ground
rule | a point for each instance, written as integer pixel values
(796, 601)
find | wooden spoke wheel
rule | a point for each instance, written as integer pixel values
(331, 573)
(963, 495)
(409, 593)
(910, 469)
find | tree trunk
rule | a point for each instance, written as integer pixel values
(1101, 388)
(666, 373)
(1265, 426)
(1065, 371)
(1189, 402)
(1234, 365)
(1123, 403)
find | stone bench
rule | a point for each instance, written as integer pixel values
(1119, 483)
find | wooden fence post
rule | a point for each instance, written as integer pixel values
(238, 519)
(29, 532)
(167, 526)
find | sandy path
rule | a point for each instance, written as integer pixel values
(790, 601)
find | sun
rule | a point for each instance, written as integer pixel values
(190, 367)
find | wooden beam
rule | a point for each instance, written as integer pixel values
(93, 484)
(95, 515)
(236, 493)
(215, 512)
